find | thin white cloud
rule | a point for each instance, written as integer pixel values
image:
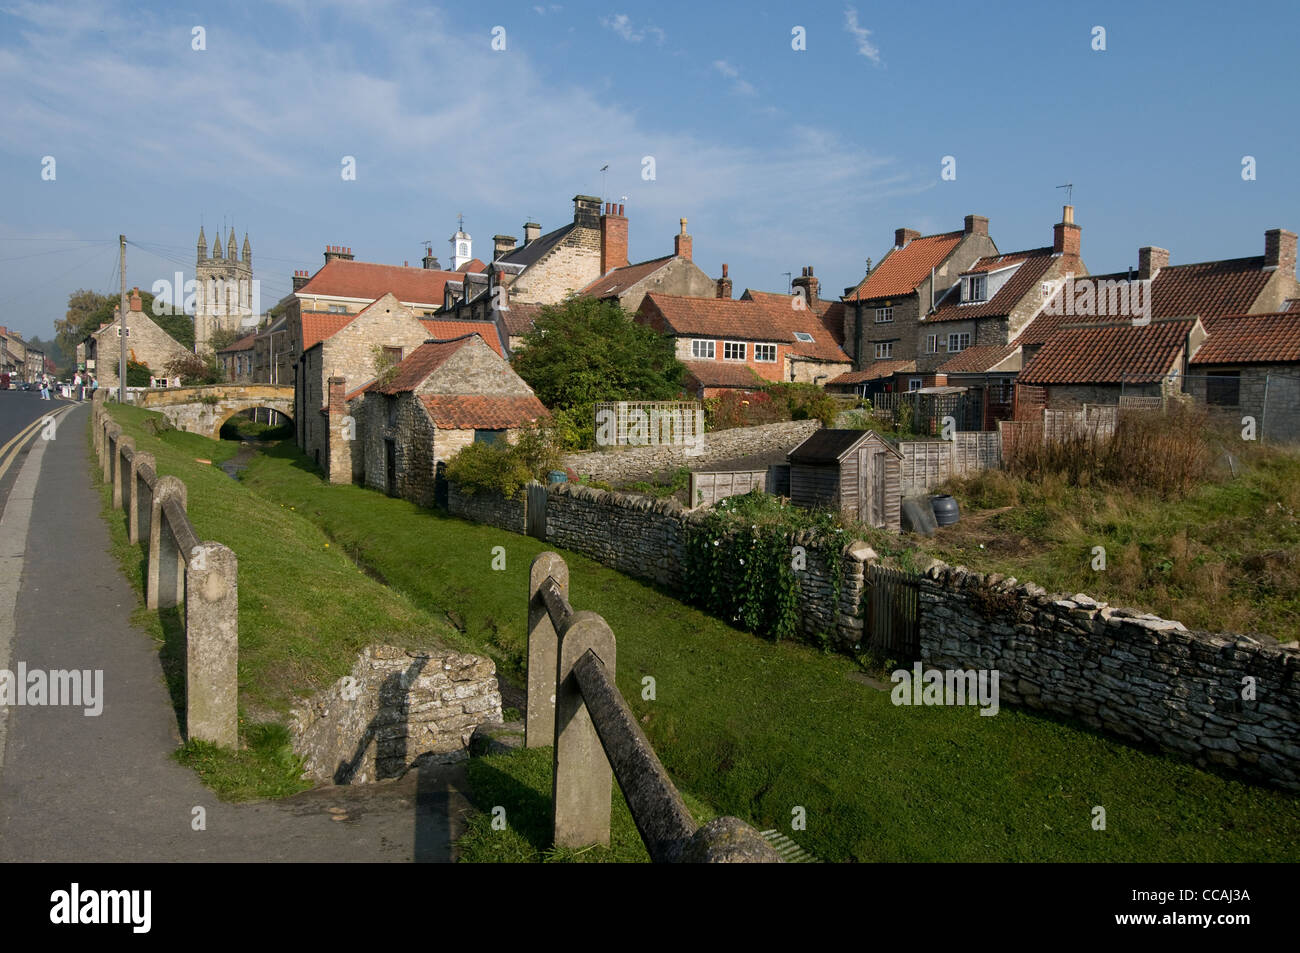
(861, 36)
(738, 85)
(622, 24)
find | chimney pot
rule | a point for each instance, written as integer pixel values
(620, 208)
(904, 235)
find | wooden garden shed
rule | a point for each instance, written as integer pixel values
(854, 471)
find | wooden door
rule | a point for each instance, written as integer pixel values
(878, 463)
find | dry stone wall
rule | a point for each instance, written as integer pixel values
(488, 507)
(396, 709)
(1134, 675)
(629, 463)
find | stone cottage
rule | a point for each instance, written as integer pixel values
(147, 344)
(1250, 366)
(440, 398)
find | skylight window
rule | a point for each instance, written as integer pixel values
(803, 336)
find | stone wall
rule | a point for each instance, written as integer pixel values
(396, 709)
(487, 507)
(620, 465)
(1134, 675)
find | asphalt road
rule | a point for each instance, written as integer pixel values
(90, 788)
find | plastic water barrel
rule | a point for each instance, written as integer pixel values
(945, 509)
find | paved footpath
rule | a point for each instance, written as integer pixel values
(87, 789)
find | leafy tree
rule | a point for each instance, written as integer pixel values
(224, 337)
(137, 375)
(87, 310)
(584, 351)
(194, 370)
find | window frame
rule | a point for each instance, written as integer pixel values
(696, 344)
(742, 346)
(958, 335)
(760, 349)
(932, 344)
(888, 312)
(1220, 378)
(888, 350)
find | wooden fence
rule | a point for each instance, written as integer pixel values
(633, 423)
(709, 486)
(893, 614)
(574, 704)
(183, 571)
(928, 463)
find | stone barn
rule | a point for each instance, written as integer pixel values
(854, 471)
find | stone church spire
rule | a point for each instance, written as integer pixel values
(248, 251)
(203, 244)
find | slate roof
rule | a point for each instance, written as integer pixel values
(1108, 353)
(1025, 280)
(900, 271)
(748, 320)
(723, 374)
(481, 411)
(978, 359)
(828, 446)
(875, 371)
(360, 279)
(1251, 339)
(619, 280)
(534, 250)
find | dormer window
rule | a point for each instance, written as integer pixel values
(974, 288)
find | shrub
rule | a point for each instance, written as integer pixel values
(505, 467)
(137, 375)
(806, 402)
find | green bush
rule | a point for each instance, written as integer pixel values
(806, 402)
(137, 375)
(505, 467)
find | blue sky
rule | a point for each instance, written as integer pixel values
(778, 158)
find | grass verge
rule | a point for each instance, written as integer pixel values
(759, 729)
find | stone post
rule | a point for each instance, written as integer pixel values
(543, 651)
(165, 587)
(212, 645)
(583, 780)
(122, 453)
(140, 497)
(111, 431)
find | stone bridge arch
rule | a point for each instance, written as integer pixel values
(203, 410)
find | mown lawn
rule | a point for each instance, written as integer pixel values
(305, 610)
(762, 730)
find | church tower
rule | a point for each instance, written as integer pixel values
(462, 246)
(224, 295)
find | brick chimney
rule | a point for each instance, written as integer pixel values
(300, 278)
(1066, 236)
(135, 304)
(1151, 260)
(586, 211)
(977, 225)
(502, 245)
(613, 238)
(809, 283)
(682, 243)
(532, 231)
(904, 235)
(1279, 250)
(429, 262)
(337, 251)
(724, 283)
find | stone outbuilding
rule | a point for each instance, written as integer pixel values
(857, 472)
(444, 396)
(147, 344)
(1249, 365)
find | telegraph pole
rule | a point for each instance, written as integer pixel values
(121, 324)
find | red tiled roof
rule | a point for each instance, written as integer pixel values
(1108, 353)
(904, 268)
(360, 279)
(1208, 289)
(773, 318)
(318, 325)
(473, 265)
(875, 371)
(518, 318)
(419, 364)
(1251, 339)
(1025, 280)
(481, 412)
(722, 374)
(243, 344)
(830, 313)
(449, 330)
(619, 280)
(978, 359)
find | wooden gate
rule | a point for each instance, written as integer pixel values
(893, 616)
(535, 511)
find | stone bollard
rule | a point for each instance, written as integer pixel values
(139, 496)
(543, 651)
(212, 645)
(111, 431)
(583, 780)
(165, 587)
(123, 450)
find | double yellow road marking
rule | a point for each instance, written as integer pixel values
(9, 452)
